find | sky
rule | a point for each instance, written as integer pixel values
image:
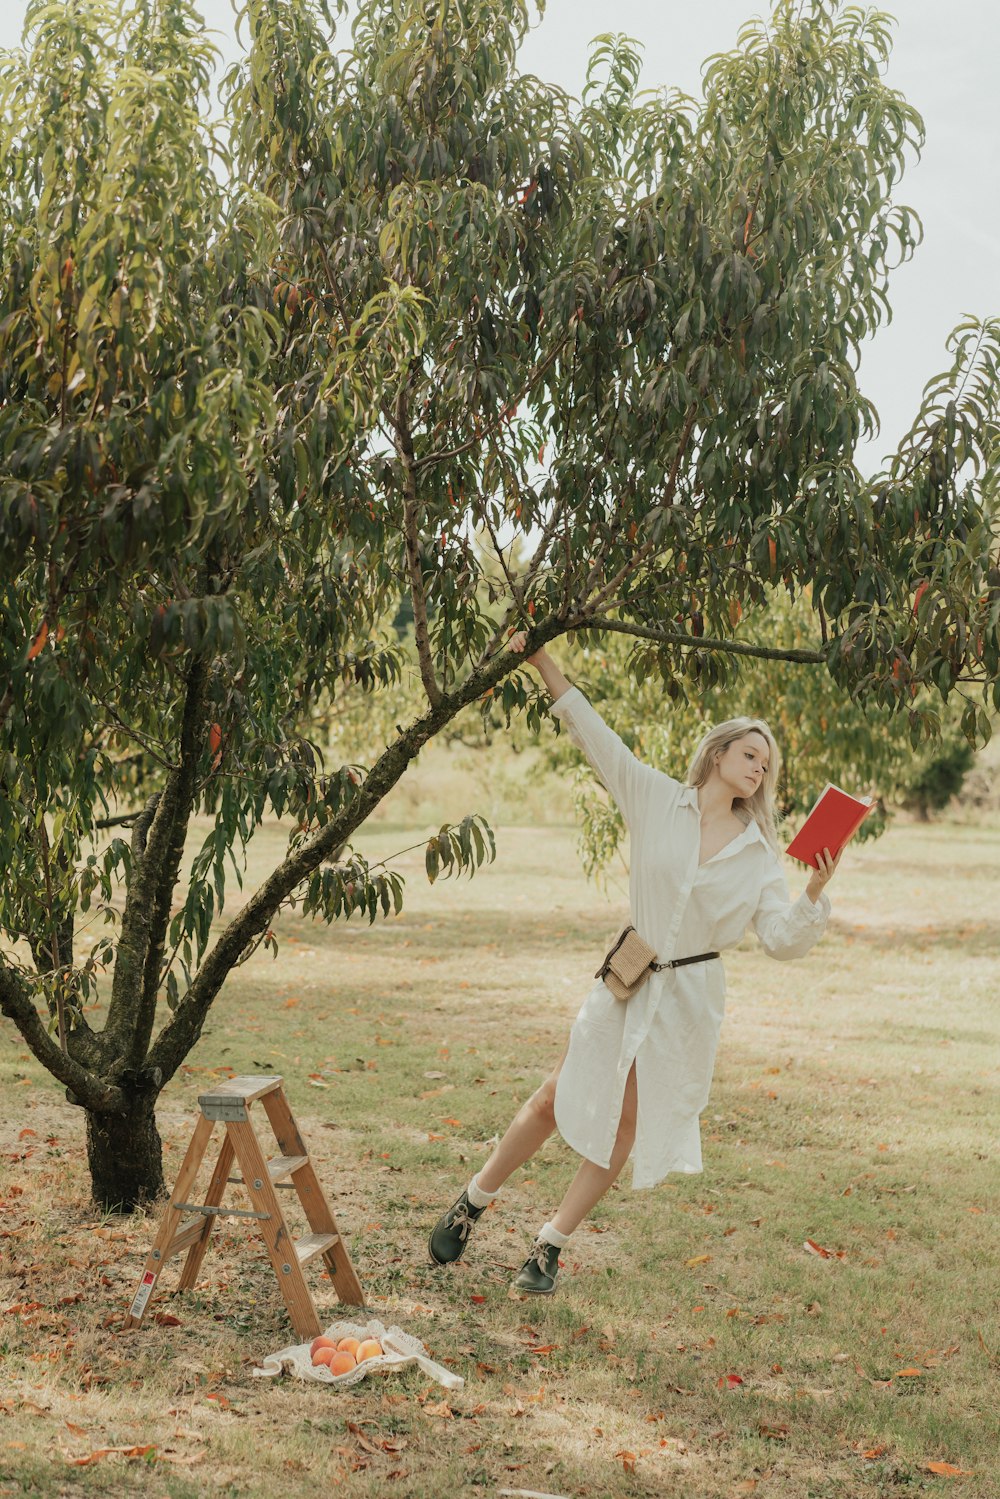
(944, 63)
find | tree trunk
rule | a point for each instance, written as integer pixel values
(125, 1157)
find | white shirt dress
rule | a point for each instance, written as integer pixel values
(670, 1027)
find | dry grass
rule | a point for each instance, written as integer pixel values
(854, 1104)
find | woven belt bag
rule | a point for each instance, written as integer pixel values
(629, 962)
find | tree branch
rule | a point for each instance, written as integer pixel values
(474, 442)
(183, 1028)
(158, 843)
(92, 1091)
(411, 535)
(123, 821)
(651, 544)
(136, 735)
(181, 789)
(520, 588)
(54, 943)
(698, 642)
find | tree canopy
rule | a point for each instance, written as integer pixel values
(263, 381)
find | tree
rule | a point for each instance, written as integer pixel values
(937, 777)
(262, 386)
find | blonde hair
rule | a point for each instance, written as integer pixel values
(760, 806)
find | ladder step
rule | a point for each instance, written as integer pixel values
(185, 1237)
(247, 1088)
(278, 1168)
(285, 1165)
(228, 1103)
(310, 1245)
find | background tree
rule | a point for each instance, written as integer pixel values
(252, 402)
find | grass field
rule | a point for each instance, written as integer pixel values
(694, 1347)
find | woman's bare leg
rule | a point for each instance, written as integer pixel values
(591, 1181)
(531, 1126)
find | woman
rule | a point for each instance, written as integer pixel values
(705, 863)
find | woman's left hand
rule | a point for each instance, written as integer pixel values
(826, 868)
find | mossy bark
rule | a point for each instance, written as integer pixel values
(125, 1155)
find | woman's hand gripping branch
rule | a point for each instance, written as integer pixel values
(543, 663)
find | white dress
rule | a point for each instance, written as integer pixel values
(670, 1027)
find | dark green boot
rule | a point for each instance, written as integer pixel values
(539, 1271)
(451, 1233)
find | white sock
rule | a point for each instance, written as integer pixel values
(552, 1236)
(477, 1196)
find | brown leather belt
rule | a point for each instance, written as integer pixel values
(701, 957)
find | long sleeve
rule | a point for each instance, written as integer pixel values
(627, 779)
(787, 928)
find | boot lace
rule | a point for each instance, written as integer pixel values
(541, 1253)
(462, 1219)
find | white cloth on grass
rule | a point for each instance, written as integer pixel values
(670, 1027)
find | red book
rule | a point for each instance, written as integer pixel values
(832, 822)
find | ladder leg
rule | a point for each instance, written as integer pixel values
(282, 1121)
(160, 1252)
(317, 1209)
(216, 1188)
(274, 1230)
(322, 1221)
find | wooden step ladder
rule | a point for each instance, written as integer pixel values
(229, 1105)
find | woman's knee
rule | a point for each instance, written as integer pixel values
(543, 1100)
(626, 1128)
(630, 1108)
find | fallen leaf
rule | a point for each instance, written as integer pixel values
(699, 1259)
(363, 1441)
(947, 1469)
(909, 1373)
(167, 1319)
(102, 1452)
(729, 1381)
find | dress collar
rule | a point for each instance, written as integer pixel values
(751, 833)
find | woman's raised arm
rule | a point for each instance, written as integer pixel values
(629, 780)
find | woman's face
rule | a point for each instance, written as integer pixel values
(743, 764)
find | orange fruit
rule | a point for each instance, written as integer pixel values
(370, 1348)
(324, 1355)
(320, 1342)
(349, 1345)
(342, 1362)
